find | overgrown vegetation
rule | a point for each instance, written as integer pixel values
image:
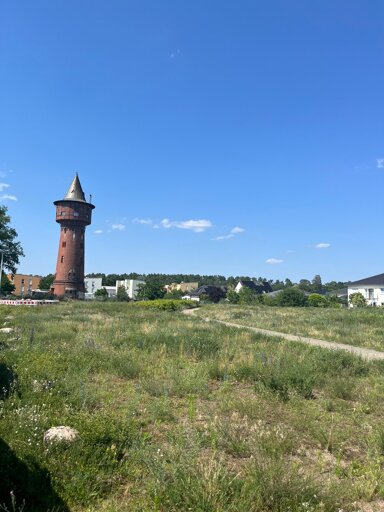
(356, 326)
(177, 414)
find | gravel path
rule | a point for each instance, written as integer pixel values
(365, 353)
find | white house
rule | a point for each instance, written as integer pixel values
(254, 286)
(92, 284)
(131, 286)
(372, 289)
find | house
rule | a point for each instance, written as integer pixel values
(92, 284)
(372, 289)
(131, 286)
(24, 284)
(257, 287)
(181, 287)
(214, 293)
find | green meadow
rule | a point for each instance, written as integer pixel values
(363, 327)
(178, 414)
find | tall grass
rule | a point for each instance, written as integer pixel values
(177, 414)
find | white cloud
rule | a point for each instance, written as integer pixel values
(380, 163)
(195, 225)
(3, 186)
(322, 246)
(10, 198)
(273, 261)
(224, 237)
(142, 221)
(118, 227)
(98, 231)
(237, 230)
(234, 231)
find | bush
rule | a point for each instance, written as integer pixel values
(316, 300)
(167, 305)
(357, 300)
(291, 297)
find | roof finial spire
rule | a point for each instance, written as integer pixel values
(75, 192)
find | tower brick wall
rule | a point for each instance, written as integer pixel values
(73, 214)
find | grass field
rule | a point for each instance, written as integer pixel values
(363, 327)
(176, 414)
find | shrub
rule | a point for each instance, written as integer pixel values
(291, 297)
(166, 305)
(357, 300)
(317, 301)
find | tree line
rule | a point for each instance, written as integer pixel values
(315, 285)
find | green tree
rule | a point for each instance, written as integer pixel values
(101, 294)
(233, 297)
(6, 286)
(305, 285)
(291, 297)
(317, 301)
(247, 296)
(357, 300)
(46, 282)
(317, 284)
(12, 249)
(121, 294)
(152, 289)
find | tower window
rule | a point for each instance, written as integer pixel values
(64, 244)
(62, 259)
(65, 230)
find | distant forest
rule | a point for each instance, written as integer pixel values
(313, 285)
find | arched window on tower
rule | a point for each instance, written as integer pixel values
(62, 259)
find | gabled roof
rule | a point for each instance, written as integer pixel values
(257, 286)
(75, 192)
(207, 289)
(378, 279)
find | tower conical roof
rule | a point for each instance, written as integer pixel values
(75, 192)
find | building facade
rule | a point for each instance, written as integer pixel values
(131, 287)
(24, 284)
(181, 287)
(73, 213)
(372, 289)
(92, 284)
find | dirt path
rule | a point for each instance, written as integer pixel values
(366, 353)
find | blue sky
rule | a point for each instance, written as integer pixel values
(235, 138)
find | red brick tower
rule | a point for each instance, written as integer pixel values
(73, 213)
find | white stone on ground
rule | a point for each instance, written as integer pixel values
(62, 433)
(6, 329)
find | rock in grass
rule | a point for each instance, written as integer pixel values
(6, 329)
(60, 434)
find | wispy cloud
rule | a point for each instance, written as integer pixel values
(194, 225)
(273, 261)
(8, 197)
(118, 227)
(380, 163)
(98, 231)
(142, 221)
(3, 186)
(237, 230)
(234, 231)
(224, 237)
(175, 54)
(322, 246)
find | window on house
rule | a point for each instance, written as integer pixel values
(62, 259)
(64, 244)
(22, 281)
